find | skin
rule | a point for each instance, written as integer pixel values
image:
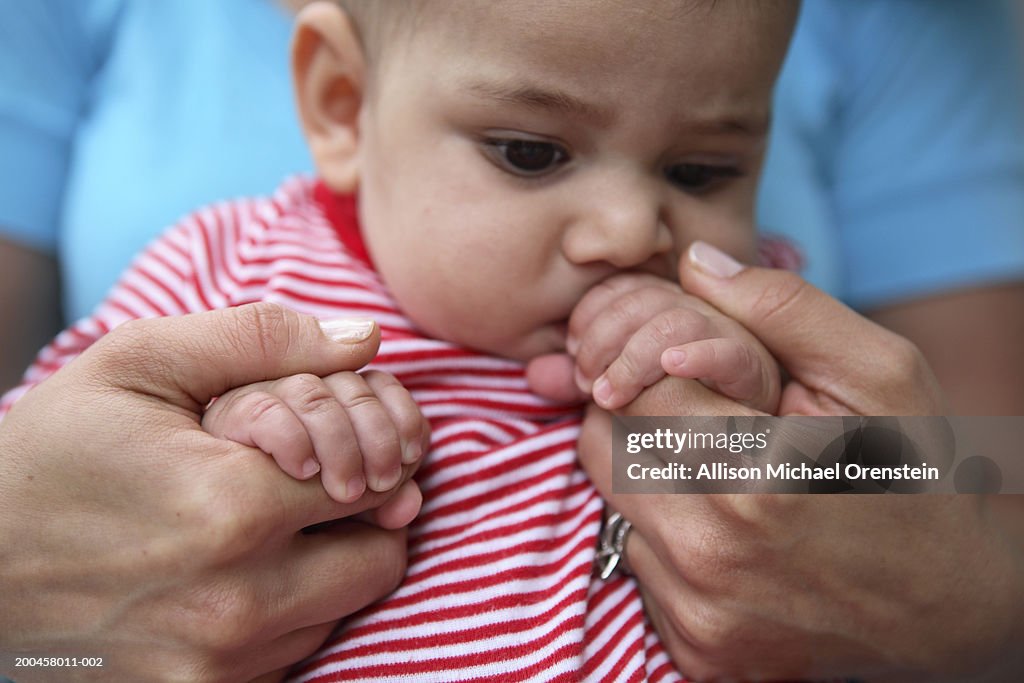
(989, 321)
(881, 588)
(428, 131)
(215, 581)
(355, 430)
(622, 330)
(112, 405)
(425, 130)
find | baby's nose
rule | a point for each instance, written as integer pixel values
(624, 227)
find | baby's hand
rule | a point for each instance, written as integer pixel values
(631, 330)
(357, 430)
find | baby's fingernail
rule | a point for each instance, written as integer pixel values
(603, 391)
(388, 481)
(355, 487)
(581, 381)
(713, 261)
(309, 468)
(675, 357)
(347, 330)
(411, 453)
(572, 345)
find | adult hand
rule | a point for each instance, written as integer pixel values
(761, 586)
(130, 534)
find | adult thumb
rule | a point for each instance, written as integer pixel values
(808, 332)
(187, 360)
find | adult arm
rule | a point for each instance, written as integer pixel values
(897, 163)
(29, 307)
(132, 535)
(927, 175)
(972, 339)
(891, 587)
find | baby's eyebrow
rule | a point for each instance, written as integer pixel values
(537, 97)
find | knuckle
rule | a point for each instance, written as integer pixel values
(902, 357)
(308, 393)
(702, 558)
(677, 326)
(231, 522)
(625, 308)
(393, 551)
(352, 391)
(778, 297)
(259, 405)
(267, 324)
(411, 424)
(224, 618)
(625, 369)
(712, 630)
(126, 351)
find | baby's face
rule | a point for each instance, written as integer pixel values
(512, 155)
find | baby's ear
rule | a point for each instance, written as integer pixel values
(328, 72)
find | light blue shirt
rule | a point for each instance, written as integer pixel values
(118, 117)
(897, 156)
(896, 162)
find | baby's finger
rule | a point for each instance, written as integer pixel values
(263, 420)
(330, 432)
(413, 429)
(730, 365)
(639, 364)
(600, 297)
(608, 333)
(375, 433)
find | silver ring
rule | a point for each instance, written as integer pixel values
(612, 545)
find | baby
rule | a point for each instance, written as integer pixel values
(483, 166)
(506, 160)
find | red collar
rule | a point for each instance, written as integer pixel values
(342, 212)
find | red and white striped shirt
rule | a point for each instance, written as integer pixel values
(499, 584)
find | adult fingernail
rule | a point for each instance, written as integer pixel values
(347, 330)
(713, 261)
(309, 468)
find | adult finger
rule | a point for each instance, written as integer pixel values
(809, 332)
(204, 354)
(268, 499)
(332, 573)
(286, 650)
(400, 510)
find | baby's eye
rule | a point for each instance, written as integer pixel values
(698, 177)
(525, 157)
